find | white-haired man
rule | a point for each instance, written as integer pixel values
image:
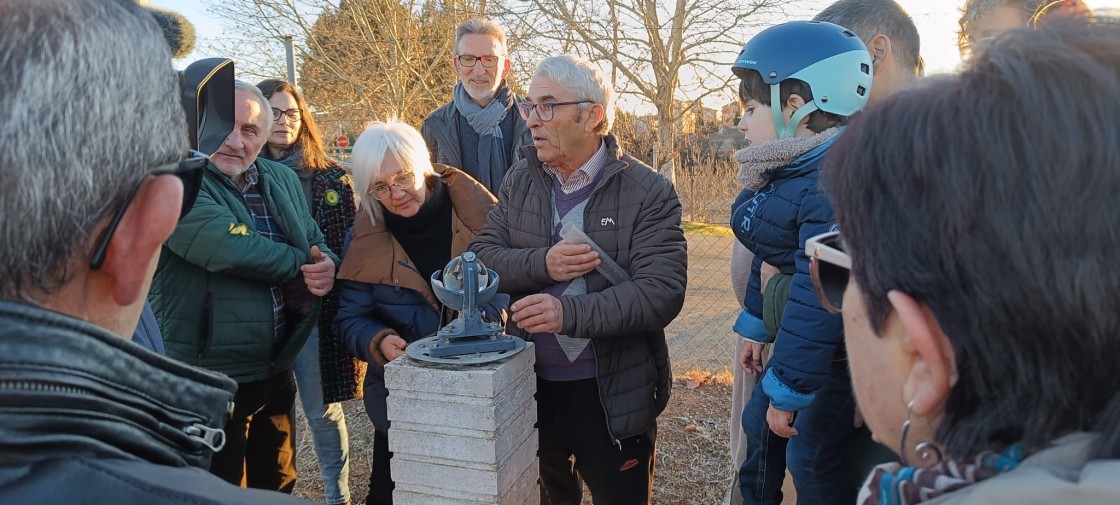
(602, 362)
(237, 291)
(479, 131)
(86, 416)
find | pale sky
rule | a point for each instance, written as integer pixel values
(936, 21)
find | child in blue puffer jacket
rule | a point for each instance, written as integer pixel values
(798, 82)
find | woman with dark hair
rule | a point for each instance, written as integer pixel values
(325, 373)
(975, 270)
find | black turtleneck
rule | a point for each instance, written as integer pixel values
(426, 237)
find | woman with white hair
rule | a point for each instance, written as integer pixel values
(415, 216)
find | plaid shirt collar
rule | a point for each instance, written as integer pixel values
(586, 173)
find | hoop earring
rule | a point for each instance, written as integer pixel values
(927, 453)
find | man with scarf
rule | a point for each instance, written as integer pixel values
(478, 131)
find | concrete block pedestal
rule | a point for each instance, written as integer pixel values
(464, 434)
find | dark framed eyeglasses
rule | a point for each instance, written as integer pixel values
(468, 60)
(292, 115)
(403, 181)
(545, 111)
(188, 170)
(829, 267)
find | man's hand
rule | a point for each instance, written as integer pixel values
(781, 422)
(765, 272)
(540, 313)
(319, 275)
(750, 357)
(392, 346)
(567, 260)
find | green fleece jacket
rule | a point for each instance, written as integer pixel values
(211, 293)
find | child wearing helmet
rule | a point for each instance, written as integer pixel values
(799, 81)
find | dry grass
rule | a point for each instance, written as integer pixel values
(693, 462)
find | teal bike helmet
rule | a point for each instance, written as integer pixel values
(831, 59)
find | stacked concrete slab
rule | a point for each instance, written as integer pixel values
(463, 434)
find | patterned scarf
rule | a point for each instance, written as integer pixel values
(756, 162)
(894, 484)
(493, 160)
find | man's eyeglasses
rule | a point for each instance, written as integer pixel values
(829, 267)
(468, 60)
(189, 171)
(292, 115)
(545, 111)
(403, 181)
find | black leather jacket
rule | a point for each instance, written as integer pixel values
(89, 417)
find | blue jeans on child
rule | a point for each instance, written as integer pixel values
(327, 422)
(815, 456)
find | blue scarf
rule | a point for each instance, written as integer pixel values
(894, 484)
(493, 160)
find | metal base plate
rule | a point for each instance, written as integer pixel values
(420, 350)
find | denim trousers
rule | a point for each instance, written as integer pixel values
(815, 456)
(327, 423)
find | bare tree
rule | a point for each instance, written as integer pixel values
(659, 50)
(359, 59)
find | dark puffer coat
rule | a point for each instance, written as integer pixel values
(774, 223)
(634, 215)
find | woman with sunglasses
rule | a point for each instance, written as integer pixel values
(979, 223)
(415, 216)
(325, 373)
(983, 20)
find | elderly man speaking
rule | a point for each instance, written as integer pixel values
(237, 291)
(602, 363)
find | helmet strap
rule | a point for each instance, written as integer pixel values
(786, 130)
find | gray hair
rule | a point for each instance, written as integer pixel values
(90, 105)
(868, 18)
(584, 80)
(258, 95)
(481, 26)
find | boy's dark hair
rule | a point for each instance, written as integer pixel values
(868, 18)
(751, 87)
(991, 198)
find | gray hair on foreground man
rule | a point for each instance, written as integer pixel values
(65, 68)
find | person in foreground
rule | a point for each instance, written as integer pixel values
(974, 267)
(415, 216)
(86, 416)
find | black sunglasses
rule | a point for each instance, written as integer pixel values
(829, 267)
(188, 170)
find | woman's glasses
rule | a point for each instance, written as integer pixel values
(403, 181)
(829, 267)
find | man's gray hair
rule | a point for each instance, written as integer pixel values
(258, 95)
(481, 26)
(584, 80)
(868, 18)
(90, 105)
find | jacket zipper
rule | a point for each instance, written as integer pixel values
(212, 438)
(606, 413)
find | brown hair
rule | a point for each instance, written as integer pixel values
(309, 140)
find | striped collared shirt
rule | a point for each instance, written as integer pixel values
(266, 225)
(582, 177)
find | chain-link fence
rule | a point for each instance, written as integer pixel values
(701, 336)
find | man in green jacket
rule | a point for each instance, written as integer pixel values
(237, 291)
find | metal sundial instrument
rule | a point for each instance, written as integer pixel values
(463, 285)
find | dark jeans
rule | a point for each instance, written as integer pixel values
(575, 446)
(380, 477)
(815, 456)
(260, 451)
